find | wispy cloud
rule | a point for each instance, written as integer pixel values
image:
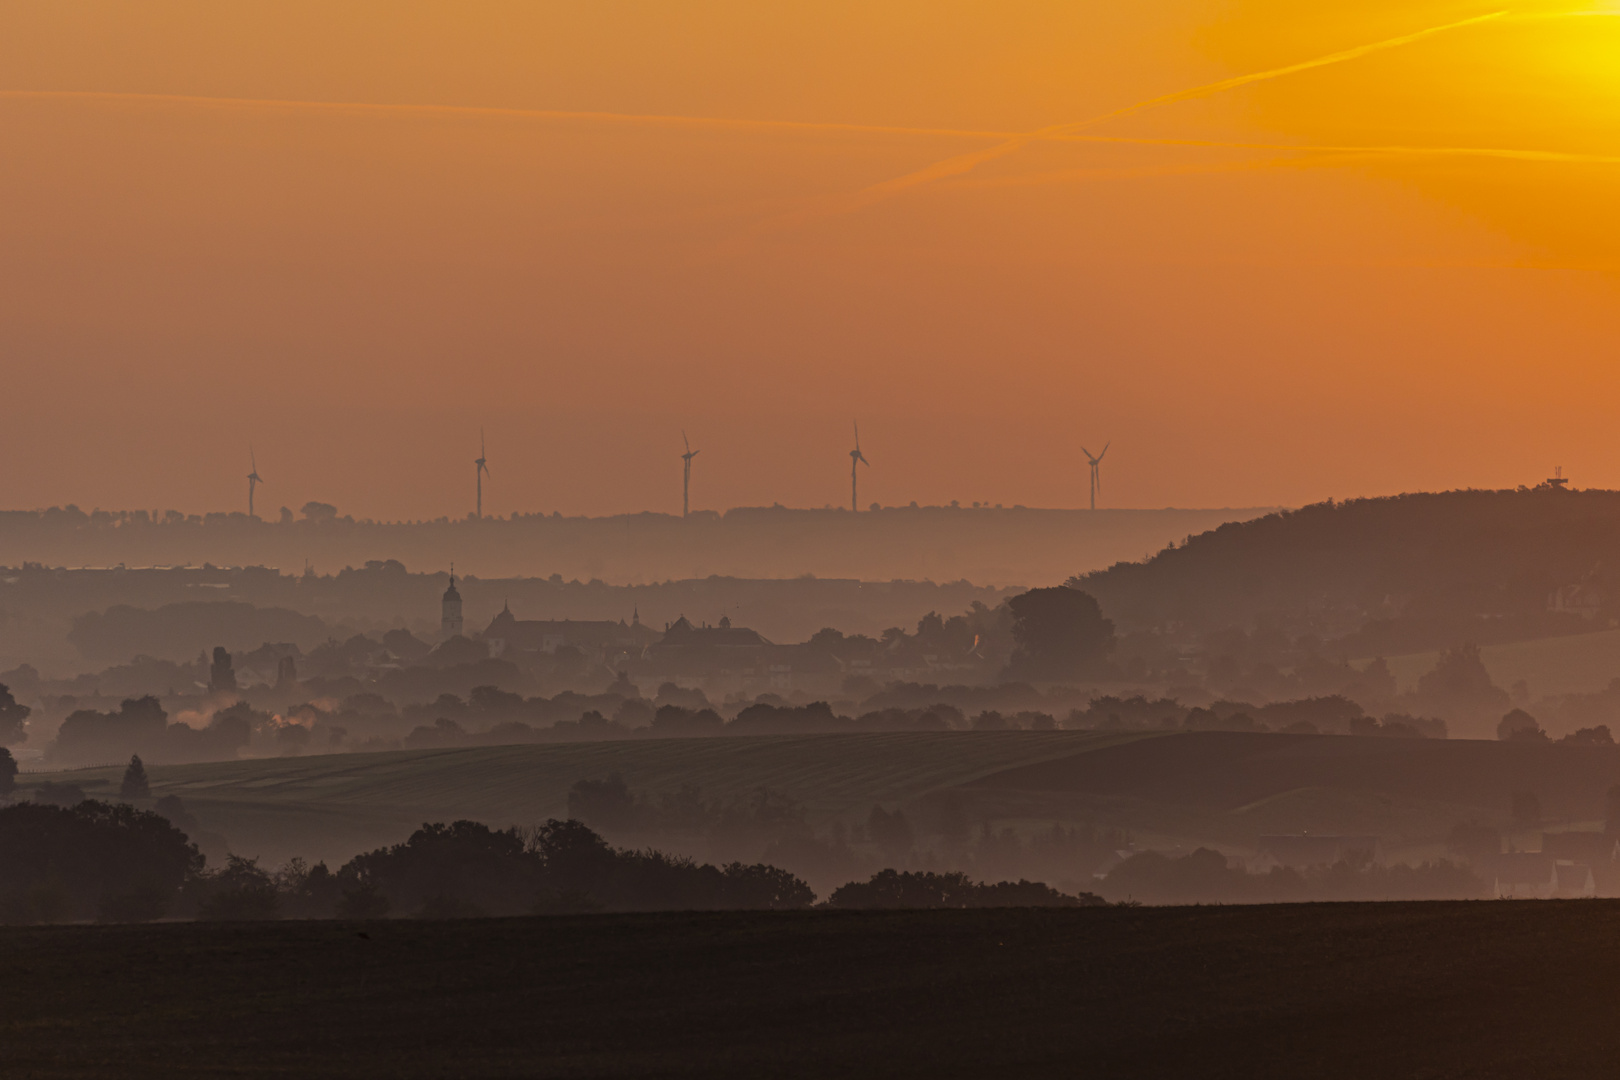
(1393, 150)
(964, 163)
(1057, 134)
(477, 111)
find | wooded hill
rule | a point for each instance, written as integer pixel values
(1384, 575)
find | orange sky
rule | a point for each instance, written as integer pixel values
(352, 234)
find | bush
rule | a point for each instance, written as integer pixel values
(240, 892)
(113, 862)
(893, 889)
(308, 892)
(362, 900)
(762, 887)
(464, 862)
(1520, 726)
(467, 869)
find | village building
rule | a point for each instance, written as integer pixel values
(725, 660)
(614, 643)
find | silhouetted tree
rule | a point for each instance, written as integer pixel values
(135, 785)
(574, 857)
(892, 889)
(762, 888)
(112, 861)
(138, 724)
(221, 673)
(1060, 634)
(308, 892)
(1520, 726)
(13, 728)
(1460, 683)
(240, 892)
(464, 867)
(362, 899)
(768, 719)
(467, 869)
(8, 773)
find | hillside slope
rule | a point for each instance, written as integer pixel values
(1188, 789)
(1444, 559)
(336, 805)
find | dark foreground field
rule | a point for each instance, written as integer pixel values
(1396, 990)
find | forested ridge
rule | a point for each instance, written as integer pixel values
(1467, 564)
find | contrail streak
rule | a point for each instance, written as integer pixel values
(1057, 134)
(1393, 150)
(1295, 160)
(963, 163)
(648, 119)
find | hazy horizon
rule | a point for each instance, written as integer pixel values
(1337, 251)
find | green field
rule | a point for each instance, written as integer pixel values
(1439, 990)
(1211, 788)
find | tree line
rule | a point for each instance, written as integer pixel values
(114, 862)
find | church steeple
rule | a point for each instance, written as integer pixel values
(450, 609)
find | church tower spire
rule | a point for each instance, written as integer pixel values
(450, 609)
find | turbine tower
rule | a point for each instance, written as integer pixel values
(253, 479)
(856, 460)
(481, 466)
(1096, 472)
(686, 477)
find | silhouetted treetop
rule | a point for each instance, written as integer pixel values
(135, 785)
(1333, 566)
(1060, 634)
(12, 718)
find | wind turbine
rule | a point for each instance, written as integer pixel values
(482, 467)
(1096, 473)
(686, 477)
(856, 460)
(253, 479)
